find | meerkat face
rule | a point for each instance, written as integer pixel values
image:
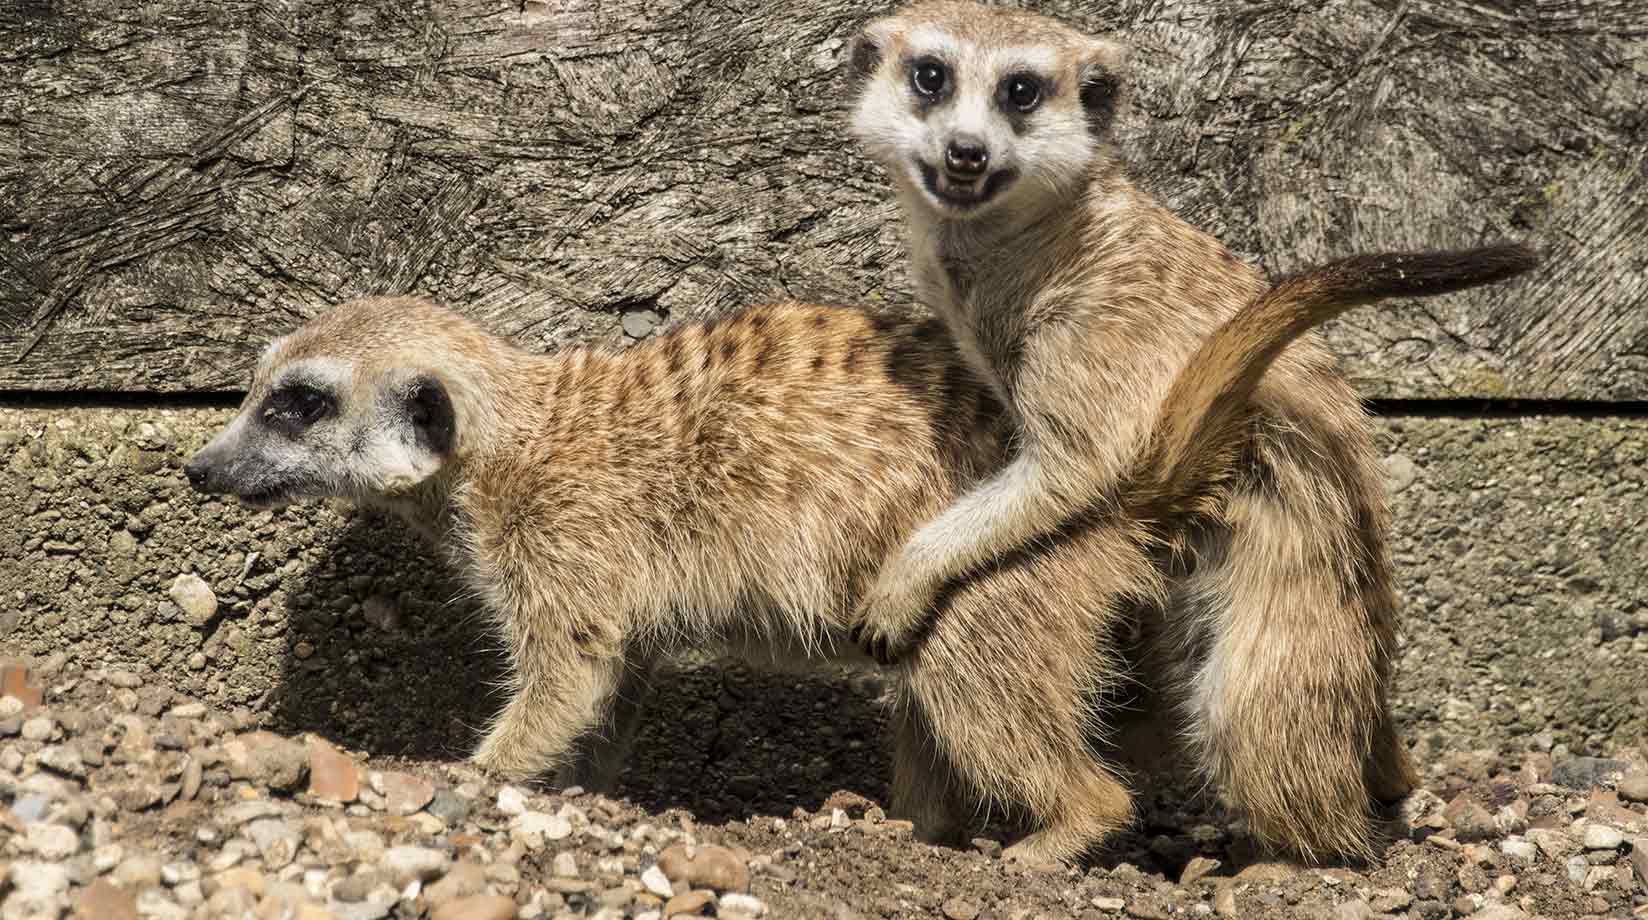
(973, 107)
(321, 424)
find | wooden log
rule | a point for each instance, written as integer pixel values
(182, 179)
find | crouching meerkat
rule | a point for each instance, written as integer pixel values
(735, 486)
(1080, 300)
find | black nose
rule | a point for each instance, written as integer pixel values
(197, 473)
(966, 156)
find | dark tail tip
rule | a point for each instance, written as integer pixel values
(1426, 274)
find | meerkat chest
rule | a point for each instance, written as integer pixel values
(987, 310)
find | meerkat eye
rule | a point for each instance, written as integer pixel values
(1023, 92)
(298, 404)
(929, 77)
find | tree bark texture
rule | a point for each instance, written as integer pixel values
(182, 179)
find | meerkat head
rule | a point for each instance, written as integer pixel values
(970, 107)
(365, 402)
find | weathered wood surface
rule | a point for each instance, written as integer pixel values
(180, 179)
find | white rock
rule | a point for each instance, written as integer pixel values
(276, 842)
(39, 880)
(194, 597)
(406, 864)
(511, 801)
(51, 841)
(657, 882)
(1110, 905)
(1603, 837)
(37, 729)
(1519, 849)
(735, 905)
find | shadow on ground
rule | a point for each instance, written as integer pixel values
(383, 654)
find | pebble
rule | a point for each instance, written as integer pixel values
(51, 841)
(1603, 837)
(332, 775)
(1110, 905)
(194, 597)
(276, 842)
(1634, 788)
(655, 881)
(406, 864)
(737, 905)
(105, 901)
(1585, 772)
(565, 865)
(267, 759)
(1520, 850)
(449, 806)
(476, 907)
(37, 729)
(691, 903)
(403, 794)
(713, 867)
(511, 801)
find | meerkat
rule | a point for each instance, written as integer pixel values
(734, 486)
(1080, 300)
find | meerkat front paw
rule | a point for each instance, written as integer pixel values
(888, 622)
(498, 754)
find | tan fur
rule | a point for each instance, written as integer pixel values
(735, 486)
(1082, 300)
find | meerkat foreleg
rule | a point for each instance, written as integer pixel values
(599, 754)
(1018, 503)
(560, 696)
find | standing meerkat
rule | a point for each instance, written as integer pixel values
(1080, 300)
(735, 486)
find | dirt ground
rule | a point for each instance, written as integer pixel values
(1526, 652)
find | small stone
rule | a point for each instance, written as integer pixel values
(1400, 472)
(17, 682)
(1110, 905)
(409, 863)
(476, 907)
(179, 873)
(243, 812)
(403, 794)
(566, 865)
(716, 868)
(123, 680)
(105, 901)
(1639, 861)
(1576, 867)
(655, 881)
(1603, 837)
(691, 903)
(533, 828)
(638, 324)
(1471, 822)
(736, 906)
(1499, 911)
(1585, 772)
(267, 759)
(51, 841)
(1197, 869)
(137, 872)
(194, 597)
(1355, 909)
(62, 760)
(37, 729)
(1519, 850)
(277, 843)
(511, 801)
(1634, 788)
(38, 881)
(461, 881)
(1556, 845)
(188, 711)
(355, 888)
(448, 806)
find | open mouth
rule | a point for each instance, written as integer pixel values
(964, 193)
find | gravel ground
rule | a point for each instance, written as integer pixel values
(201, 668)
(126, 798)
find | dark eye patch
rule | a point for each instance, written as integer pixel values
(1021, 93)
(930, 78)
(297, 405)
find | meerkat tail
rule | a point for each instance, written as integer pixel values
(1203, 412)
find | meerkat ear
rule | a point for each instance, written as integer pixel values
(865, 51)
(429, 410)
(1101, 83)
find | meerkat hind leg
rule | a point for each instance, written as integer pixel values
(927, 791)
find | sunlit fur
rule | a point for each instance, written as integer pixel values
(734, 487)
(1080, 299)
